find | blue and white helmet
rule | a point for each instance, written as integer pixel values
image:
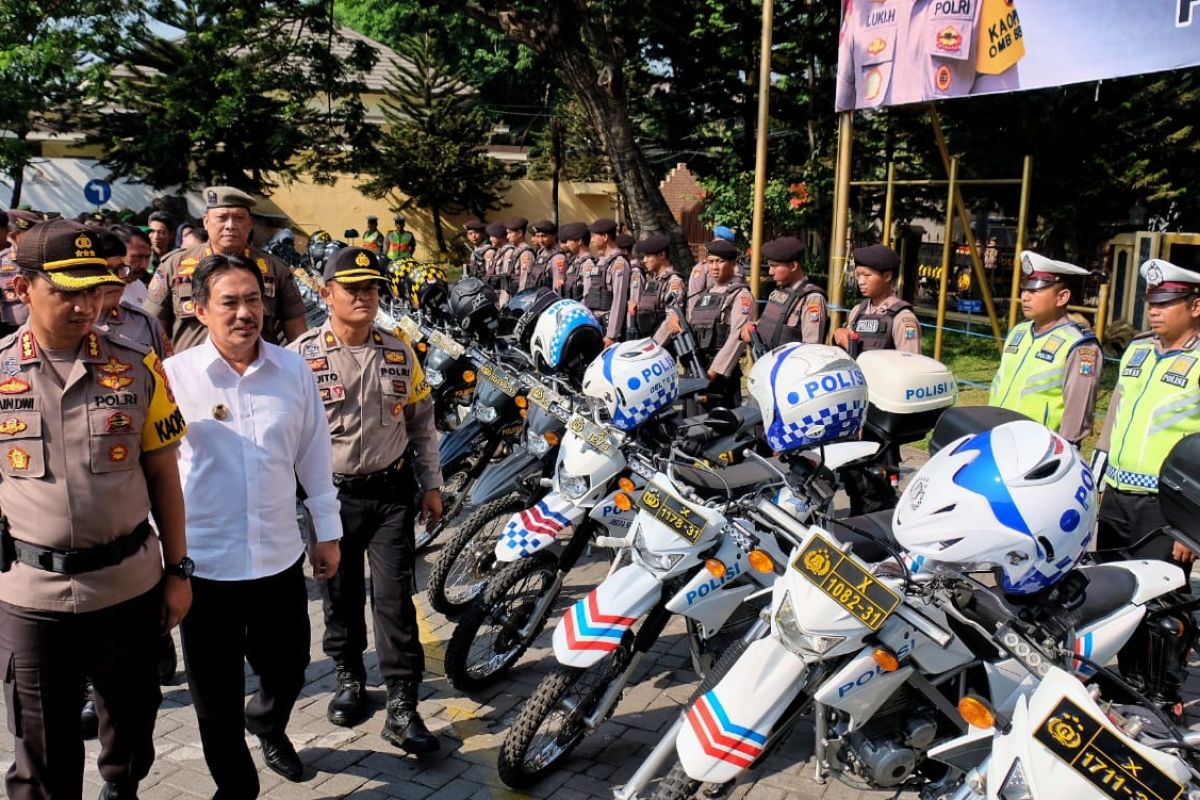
(564, 332)
(1017, 498)
(808, 394)
(632, 381)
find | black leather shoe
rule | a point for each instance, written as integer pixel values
(118, 791)
(168, 662)
(348, 705)
(89, 721)
(404, 727)
(281, 757)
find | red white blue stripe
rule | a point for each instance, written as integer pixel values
(1083, 647)
(588, 629)
(534, 528)
(719, 737)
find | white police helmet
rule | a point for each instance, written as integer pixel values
(808, 394)
(565, 332)
(632, 381)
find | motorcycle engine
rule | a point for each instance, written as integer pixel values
(887, 750)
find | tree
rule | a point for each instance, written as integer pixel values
(247, 94)
(430, 146)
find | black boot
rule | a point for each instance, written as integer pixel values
(89, 721)
(404, 727)
(168, 662)
(119, 791)
(348, 704)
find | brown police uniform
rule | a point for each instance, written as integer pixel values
(549, 262)
(717, 319)
(127, 321)
(605, 289)
(889, 325)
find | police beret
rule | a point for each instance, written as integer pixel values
(625, 241)
(1038, 272)
(353, 265)
(573, 231)
(603, 226)
(1164, 280)
(226, 197)
(654, 243)
(475, 225)
(496, 229)
(877, 257)
(722, 249)
(516, 223)
(67, 253)
(544, 226)
(724, 232)
(784, 250)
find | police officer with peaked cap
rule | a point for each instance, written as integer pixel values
(229, 224)
(12, 311)
(476, 233)
(574, 237)
(385, 464)
(906, 51)
(1050, 368)
(796, 309)
(549, 261)
(606, 283)
(84, 418)
(657, 284)
(882, 321)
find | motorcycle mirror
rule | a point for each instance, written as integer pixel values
(722, 421)
(350, 233)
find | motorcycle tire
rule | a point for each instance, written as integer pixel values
(567, 694)
(467, 560)
(484, 645)
(455, 481)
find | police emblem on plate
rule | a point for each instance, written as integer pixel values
(817, 562)
(1065, 730)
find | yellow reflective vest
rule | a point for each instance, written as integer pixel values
(1033, 368)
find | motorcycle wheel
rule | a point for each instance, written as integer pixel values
(728, 639)
(453, 485)
(550, 724)
(485, 645)
(468, 558)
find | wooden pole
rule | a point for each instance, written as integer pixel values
(887, 204)
(947, 248)
(841, 214)
(1022, 223)
(760, 156)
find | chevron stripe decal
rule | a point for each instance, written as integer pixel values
(588, 629)
(719, 737)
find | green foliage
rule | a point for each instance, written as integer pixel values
(245, 94)
(583, 157)
(787, 207)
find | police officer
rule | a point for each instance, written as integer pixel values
(905, 51)
(86, 418)
(476, 232)
(372, 237)
(518, 259)
(574, 237)
(717, 317)
(1050, 368)
(606, 283)
(882, 321)
(549, 261)
(228, 223)
(401, 244)
(13, 312)
(497, 236)
(652, 289)
(384, 447)
(795, 310)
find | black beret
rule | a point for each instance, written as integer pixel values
(722, 249)
(877, 257)
(496, 229)
(516, 223)
(654, 243)
(625, 241)
(353, 265)
(603, 226)
(572, 231)
(544, 226)
(784, 250)
(372, 218)
(475, 225)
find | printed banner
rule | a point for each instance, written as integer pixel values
(893, 52)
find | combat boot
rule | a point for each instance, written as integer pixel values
(404, 727)
(348, 704)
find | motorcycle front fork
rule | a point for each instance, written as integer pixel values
(566, 562)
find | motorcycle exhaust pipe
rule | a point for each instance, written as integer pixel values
(653, 764)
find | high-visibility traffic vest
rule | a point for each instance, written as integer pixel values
(1033, 369)
(1159, 405)
(400, 245)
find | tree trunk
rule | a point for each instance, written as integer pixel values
(437, 228)
(18, 177)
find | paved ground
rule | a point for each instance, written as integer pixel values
(358, 763)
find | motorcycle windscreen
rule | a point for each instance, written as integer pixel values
(537, 527)
(594, 626)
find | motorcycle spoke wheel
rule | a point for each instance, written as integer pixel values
(467, 560)
(452, 487)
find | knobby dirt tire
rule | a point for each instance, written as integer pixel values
(468, 540)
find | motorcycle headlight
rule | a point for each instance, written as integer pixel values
(573, 486)
(1015, 785)
(660, 562)
(485, 412)
(536, 443)
(434, 377)
(794, 638)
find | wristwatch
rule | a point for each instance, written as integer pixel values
(183, 569)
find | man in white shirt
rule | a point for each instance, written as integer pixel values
(256, 425)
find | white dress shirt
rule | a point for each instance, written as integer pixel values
(135, 292)
(239, 473)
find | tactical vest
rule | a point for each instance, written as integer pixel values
(510, 270)
(1033, 369)
(710, 319)
(477, 266)
(652, 302)
(539, 273)
(573, 281)
(399, 245)
(599, 297)
(1159, 405)
(496, 277)
(875, 330)
(772, 326)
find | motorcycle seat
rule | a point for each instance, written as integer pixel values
(736, 479)
(877, 523)
(1109, 588)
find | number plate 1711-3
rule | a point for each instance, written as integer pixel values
(847, 582)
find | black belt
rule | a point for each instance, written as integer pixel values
(86, 559)
(378, 481)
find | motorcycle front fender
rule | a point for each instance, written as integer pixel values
(459, 443)
(726, 729)
(537, 527)
(509, 475)
(594, 626)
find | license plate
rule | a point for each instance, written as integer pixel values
(590, 433)
(549, 401)
(447, 345)
(1090, 748)
(846, 581)
(500, 377)
(411, 329)
(672, 512)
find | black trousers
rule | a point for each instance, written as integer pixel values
(379, 527)
(265, 622)
(46, 656)
(1126, 517)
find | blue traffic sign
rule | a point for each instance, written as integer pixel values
(97, 192)
(970, 306)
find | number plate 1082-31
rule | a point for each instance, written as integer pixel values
(844, 580)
